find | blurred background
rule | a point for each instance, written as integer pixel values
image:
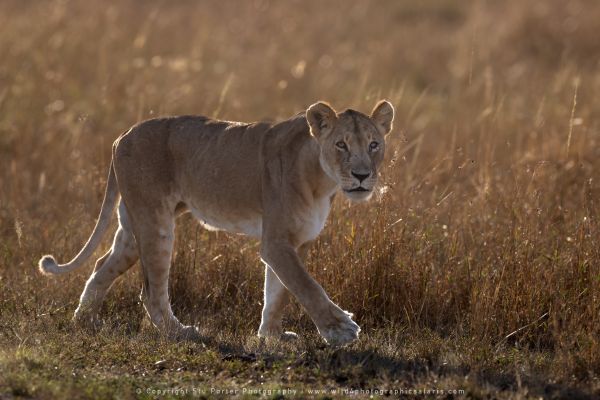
(486, 219)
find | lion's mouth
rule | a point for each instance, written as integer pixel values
(357, 189)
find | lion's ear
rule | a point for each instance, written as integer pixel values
(321, 118)
(383, 116)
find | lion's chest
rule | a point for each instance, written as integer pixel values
(313, 220)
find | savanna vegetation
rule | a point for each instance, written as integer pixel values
(474, 272)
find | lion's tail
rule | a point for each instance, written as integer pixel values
(48, 264)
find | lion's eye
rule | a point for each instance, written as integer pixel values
(341, 145)
(373, 146)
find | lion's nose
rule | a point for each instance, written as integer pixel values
(360, 177)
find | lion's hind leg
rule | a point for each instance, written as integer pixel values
(122, 255)
(155, 242)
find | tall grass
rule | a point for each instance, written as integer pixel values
(486, 225)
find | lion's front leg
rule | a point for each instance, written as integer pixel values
(276, 297)
(334, 324)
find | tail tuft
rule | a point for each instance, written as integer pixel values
(48, 265)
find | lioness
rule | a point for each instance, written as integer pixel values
(275, 182)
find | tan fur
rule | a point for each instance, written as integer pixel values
(273, 182)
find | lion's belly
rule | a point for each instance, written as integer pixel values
(306, 225)
(250, 225)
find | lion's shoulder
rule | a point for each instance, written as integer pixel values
(291, 133)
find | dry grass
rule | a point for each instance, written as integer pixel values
(478, 267)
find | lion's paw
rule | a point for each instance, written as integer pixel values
(86, 320)
(289, 336)
(340, 329)
(276, 334)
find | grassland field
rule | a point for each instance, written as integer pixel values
(474, 272)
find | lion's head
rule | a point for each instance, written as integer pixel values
(352, 145)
